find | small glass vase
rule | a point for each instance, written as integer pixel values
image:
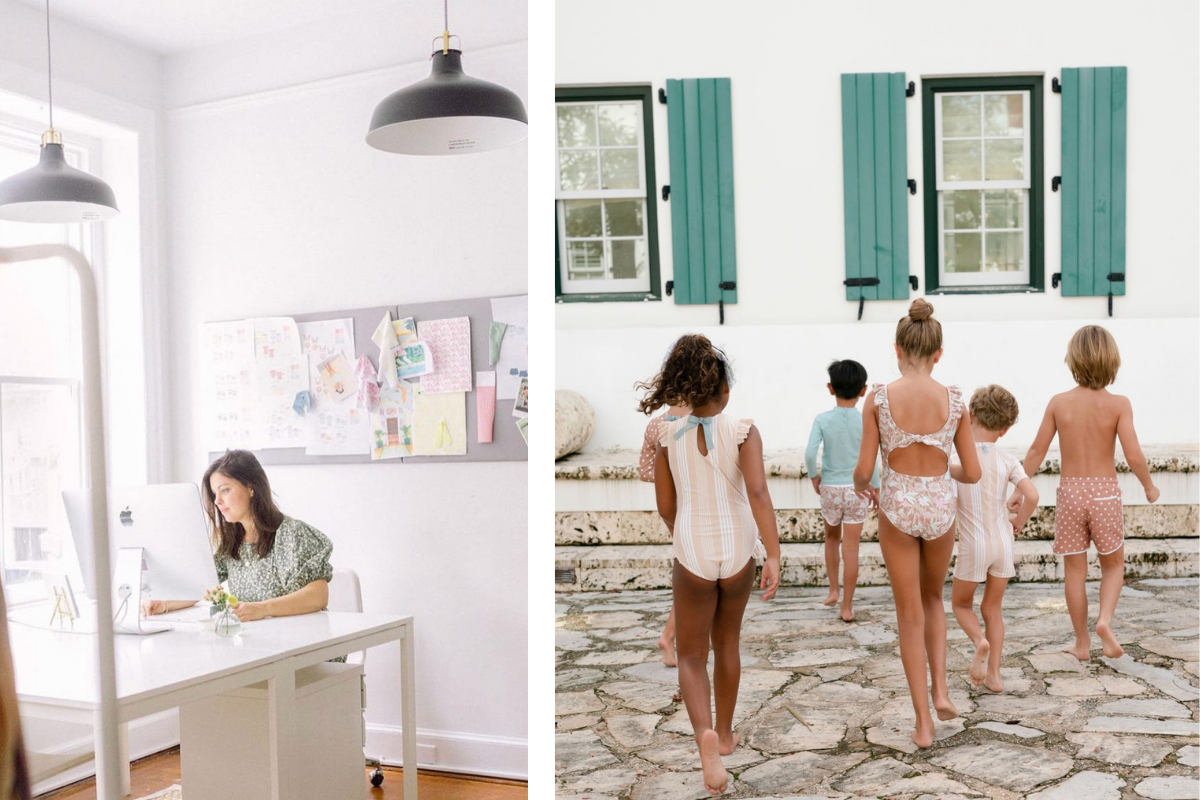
(227, 623)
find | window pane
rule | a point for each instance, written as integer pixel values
(619, 124)
(585, 261)
(1005, 252)
(619, 168)
(577, 170)
(583, 218)
(576, 126)
(624, 217)
(960, 115)
(1004, 209)
(1005, 159)
(960, 161)
(628, 258)
(40, 446)
(961, 210)
(1004, 115)
(963, 252)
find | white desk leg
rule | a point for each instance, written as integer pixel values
(281, 712)
(408, 699)
(122, 745)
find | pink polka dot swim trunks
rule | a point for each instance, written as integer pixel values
(1088, 510)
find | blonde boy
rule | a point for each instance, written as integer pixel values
(985, 532)
(1088, 421)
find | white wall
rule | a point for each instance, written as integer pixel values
(278, 207)
(785, 61)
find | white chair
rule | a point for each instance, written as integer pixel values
(345, 594)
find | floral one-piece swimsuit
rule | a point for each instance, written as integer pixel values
(917, 505)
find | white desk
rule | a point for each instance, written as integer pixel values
(56, 674)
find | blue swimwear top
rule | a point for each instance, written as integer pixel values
(841, 431)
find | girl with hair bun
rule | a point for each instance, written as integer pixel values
(913, 422)
(711, 489)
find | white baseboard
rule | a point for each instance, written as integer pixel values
(448, 751)
(147, 735)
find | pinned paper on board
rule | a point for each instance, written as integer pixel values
(412, 360)
(228, 364)
(521, 402)
(368, 389)
(279, 380)
(512, 363)
(335, 427)
(392, 424)
(439, 423)
(406, 329)
(337, 378)
(523, 427)
(495, 339)
(449, 341)
(276, 337)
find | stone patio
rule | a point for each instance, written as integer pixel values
(823, 710)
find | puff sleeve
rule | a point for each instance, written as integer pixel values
(302, 555)
(742, 429)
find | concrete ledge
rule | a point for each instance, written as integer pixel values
(805, 525)
(608, 568)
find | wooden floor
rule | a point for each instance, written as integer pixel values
(157, 772)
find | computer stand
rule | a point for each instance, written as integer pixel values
(129, 589)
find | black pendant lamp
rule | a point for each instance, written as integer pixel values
(448, 113)
(54, 191)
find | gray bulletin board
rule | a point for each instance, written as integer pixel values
(506, 444)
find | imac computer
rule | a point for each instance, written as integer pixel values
(159, 548)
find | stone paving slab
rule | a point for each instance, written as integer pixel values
(824, 711)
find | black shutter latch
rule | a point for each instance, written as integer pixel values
(1055, 86)
(911, 91)
(861, 282)
(1113, 276)
(666, 191)
(670, 287)
(1054, 279)
(912, 185)
(724, 286)
(1055, 182)
(662, 96)
(912, 281)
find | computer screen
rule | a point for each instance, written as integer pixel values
(166, 520)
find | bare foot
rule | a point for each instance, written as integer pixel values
(945, 709)
(847, 614)
(729, 744)
(922, 735)
(715, 779)
(831, 600)
(667, 646)
(1112, 649)
(1081, 651)
(993, 683)
(979, 662)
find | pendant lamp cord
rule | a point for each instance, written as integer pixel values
(49, 80)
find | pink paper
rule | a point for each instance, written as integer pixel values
(450, 342)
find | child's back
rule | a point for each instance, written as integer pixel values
(1087, 421)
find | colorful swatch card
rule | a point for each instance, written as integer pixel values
(439, 423)
(449, 341)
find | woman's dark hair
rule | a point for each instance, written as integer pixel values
(847, 378)
(243, 467)
(692, 375)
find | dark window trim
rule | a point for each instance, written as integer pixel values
(1037, 221)
(644, 93)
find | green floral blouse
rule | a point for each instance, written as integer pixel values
(299, 557)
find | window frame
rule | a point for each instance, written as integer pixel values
(1035, 207)
(642, 93)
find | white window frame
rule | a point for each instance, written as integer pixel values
(607, 285)
(983, 278)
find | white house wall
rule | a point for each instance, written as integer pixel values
(784, 60)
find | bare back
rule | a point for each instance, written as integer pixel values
(919, 405)
(1086, 421)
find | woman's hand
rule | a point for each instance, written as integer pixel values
(770, 578)
(152, 607)
(248, 612)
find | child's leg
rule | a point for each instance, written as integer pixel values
(1112, 578)
(833, 543)
(732, 594)
(695, 607)
(902, 557)
(935, 561)
(850, 540)
(989, 607)
(962, 600)
(1074, 574)
(666, 642)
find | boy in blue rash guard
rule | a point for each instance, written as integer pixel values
(840, 430)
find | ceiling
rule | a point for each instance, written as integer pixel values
(168, 27)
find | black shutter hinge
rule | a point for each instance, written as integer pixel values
(662, 96)
(911, 91)
(670, 287)
(861, 282)
(1113, 276)
(666, 191)
(912, 281)
(1054, 279)
(1055, 86)
(724, 286)
(1055, 182)
(912, 185)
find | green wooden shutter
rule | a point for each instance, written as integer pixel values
(1093, 180)
(700, 131)
(875, 182)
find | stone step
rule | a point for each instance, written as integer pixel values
(805, 525)
(606, 568)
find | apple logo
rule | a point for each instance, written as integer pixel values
(127, 517)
